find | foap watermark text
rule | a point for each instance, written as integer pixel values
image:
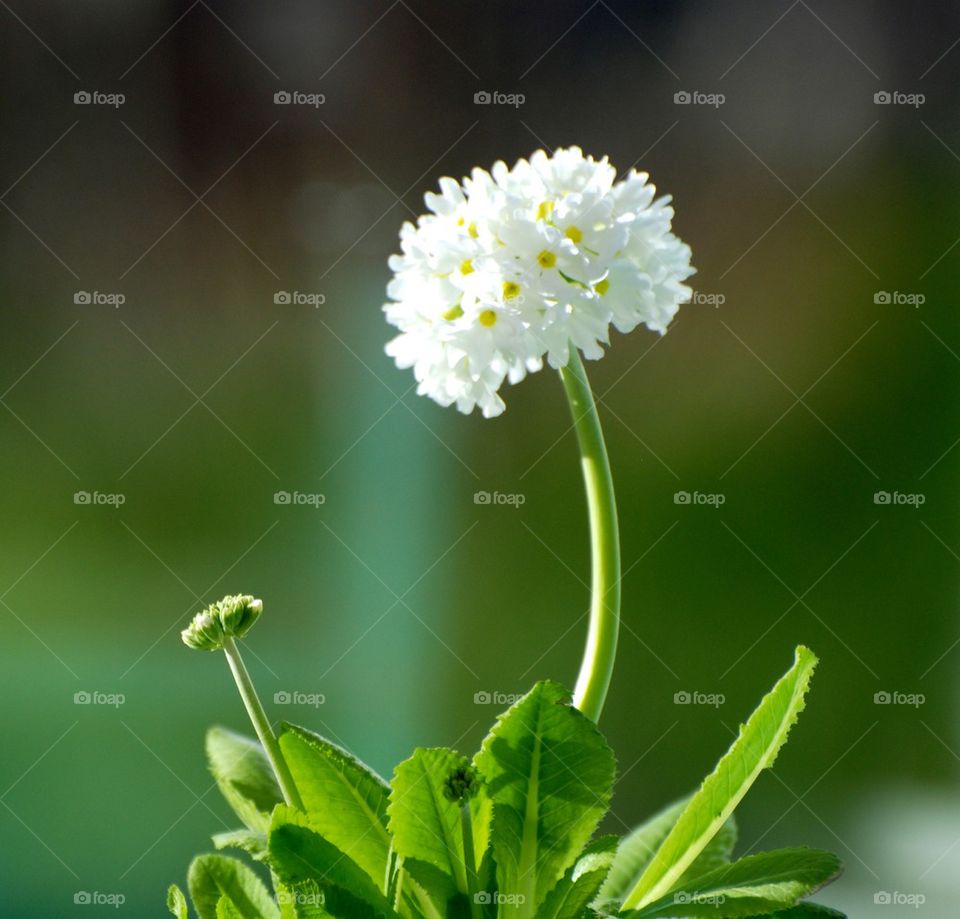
(298, 697)
(511, 499)
(299, 498)
(700, 498)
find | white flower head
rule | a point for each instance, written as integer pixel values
(516, 265)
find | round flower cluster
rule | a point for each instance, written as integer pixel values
(514, 265)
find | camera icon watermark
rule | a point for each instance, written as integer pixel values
(295, 97)
(85, 97)
(314, 899)
(911, 699)
(97, 898)
(895, 97)
(98, 298)
(695, 97)
(495, 697)
(687, 898)
(509, 499)
(704, 499)
(296, 697)
(484, 97)
(299, 298)
(299, 498)
(899, 298)
(899, 499)
(713, 699)
(495, 898)
(898, 898)
(111, 499)
(109, 699)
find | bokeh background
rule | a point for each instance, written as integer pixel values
(819, 366)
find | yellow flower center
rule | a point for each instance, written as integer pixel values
(546, 259)
(472, 230)
(544, 210)
(466, 266)
(488, 318)
(510, 290)
(455, 312)
(574, 233)
(601, 287)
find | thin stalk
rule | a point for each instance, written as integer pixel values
(398, 891)
(601, 648)
(261, 724)
(470, 860)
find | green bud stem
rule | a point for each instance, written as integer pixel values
(261, 724)
(601, 649)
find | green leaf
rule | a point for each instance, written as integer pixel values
(304, 900)
(805, 911)
(748, 887)
(636, 851)
(177, 902)
(254, 844)
(425, 821)
(212, 877)
(414, 902)
(580, 884)
(717, 852)
(428, 889)
(754, 750)
(226, 909)
(549, 773)
(299, 853)
(346, 801)
(244, 776)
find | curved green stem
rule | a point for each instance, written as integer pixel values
(261, 724)
(601, 649)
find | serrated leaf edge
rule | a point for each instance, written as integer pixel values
(805, 662)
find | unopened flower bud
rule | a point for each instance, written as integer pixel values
(231, 617)
(461, 784)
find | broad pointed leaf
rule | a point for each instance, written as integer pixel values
(244, 776)
(345, 800)
(549, 773)
(212, 877)
(750, 886)
(299, 853)
(636, 851)
(754, 750)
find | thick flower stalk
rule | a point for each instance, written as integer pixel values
(215, 629)
(598, 658)
(520, 265)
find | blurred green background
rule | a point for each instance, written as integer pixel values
(403, 603)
